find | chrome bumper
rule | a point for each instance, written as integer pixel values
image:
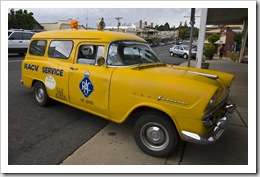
(216, 132)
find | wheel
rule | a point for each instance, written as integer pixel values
(155, 134)
(21, 54)
(185, 56)
(172, 54)
(40, 94)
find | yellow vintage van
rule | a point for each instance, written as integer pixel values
(117, 76)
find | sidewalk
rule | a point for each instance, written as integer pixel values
(115, 145)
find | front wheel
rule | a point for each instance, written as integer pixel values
(155, 134)
(40, 94)
(172, 54)
(185, 56)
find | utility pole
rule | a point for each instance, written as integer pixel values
(118, 23)
(192, 22)
(87, 20)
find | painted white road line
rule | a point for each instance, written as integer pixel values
(12, 61)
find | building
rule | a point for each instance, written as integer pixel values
(60, 25)
(226, 36)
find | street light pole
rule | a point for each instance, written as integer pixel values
(118, 24)
(192, 22)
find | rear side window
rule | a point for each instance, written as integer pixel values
(37, 47)
(27, 36)
(60, 49)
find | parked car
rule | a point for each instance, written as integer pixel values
(245, 59)
(18, 41)
(118, 77)
(182, 51)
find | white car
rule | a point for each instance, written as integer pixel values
(182, 51)
(18, 41)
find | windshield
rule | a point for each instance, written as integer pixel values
(187, 48)
(125, 53)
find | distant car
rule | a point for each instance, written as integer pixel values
(182, 51)
(18, 41)
(161, 43)
(152, 45)
(245, 59)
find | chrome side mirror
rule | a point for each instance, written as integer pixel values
(101, 61)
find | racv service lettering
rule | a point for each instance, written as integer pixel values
(53, 71)
(31, 67)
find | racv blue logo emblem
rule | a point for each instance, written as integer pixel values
(86, 85)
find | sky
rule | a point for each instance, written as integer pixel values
(90, 16)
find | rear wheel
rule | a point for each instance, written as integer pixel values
(185, 56)
(155, 134)
(40, 94)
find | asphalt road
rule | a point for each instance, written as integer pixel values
(47, 135)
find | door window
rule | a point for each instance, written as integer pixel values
(88, 54)
(16, 36)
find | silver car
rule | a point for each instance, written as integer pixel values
(18, 41)
(182, 51)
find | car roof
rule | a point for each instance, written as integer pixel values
(98, 35)
(20, 30)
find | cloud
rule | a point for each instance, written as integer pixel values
(157, 16)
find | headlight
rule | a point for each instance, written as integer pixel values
(211, 102)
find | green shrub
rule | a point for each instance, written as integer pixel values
(209, 50)
(213, 38)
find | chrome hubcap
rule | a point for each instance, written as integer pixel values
(154, 136)
(40, 95)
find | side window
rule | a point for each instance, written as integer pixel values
(27, 36)
(60, 49)
(88, 54)
(16, 36)
(37, 47)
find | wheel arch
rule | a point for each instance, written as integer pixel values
(138, 111)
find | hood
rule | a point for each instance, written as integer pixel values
(215, 78)
(188, 77)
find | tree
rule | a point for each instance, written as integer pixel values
(173, 28)
(180, 24)
(213, 38)
(160, 28)
(184, 33)
(237, 37)
(196, 32)
(166, 27)
(20, 19)
(185, 24)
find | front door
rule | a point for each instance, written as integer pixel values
(89, 84)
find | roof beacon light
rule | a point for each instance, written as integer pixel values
(74, 24)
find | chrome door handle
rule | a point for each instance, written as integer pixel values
(74, 69)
